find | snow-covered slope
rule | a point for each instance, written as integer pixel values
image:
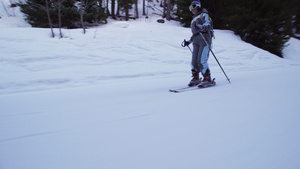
(101, 101)
(11, 17)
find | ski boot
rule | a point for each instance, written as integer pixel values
(206, 78)
(207, 81)
(195, 81)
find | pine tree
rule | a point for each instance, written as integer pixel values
(69, 13)
(215, 9)
(264, 24)
(297, 23)
(36, 12)
(184, 16)
(125, 6)
(296, 18)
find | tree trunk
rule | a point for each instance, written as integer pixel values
(118, 8)
(144, 4)
(49, 18)
(59, 18)
(113, 2)
(168, 17)
(126, 7)
(81, 16)
(107, 11)
(136, 9)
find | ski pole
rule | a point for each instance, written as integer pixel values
(214, 56)
(190, 48)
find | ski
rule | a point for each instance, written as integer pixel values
(188, 88)
(182, 89)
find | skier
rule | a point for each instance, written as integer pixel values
(201, 23)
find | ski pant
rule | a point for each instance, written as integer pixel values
(200, 57)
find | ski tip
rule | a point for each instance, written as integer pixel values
(174, 91)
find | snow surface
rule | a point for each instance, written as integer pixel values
(101, 101)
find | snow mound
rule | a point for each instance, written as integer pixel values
(292, 50)
(121, 24)
(11, 17)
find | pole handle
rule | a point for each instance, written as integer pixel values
(183, 43)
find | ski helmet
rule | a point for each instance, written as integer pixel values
(195, 4)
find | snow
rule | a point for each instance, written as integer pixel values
(101, 100)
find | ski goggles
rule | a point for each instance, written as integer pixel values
(194, 6)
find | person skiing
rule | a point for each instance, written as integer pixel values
(201, 23)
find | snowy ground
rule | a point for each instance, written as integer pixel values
(101, 101)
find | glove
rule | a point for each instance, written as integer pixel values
(186, 43)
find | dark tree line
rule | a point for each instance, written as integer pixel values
(77, 13)
(267, 24)
(63, 13)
